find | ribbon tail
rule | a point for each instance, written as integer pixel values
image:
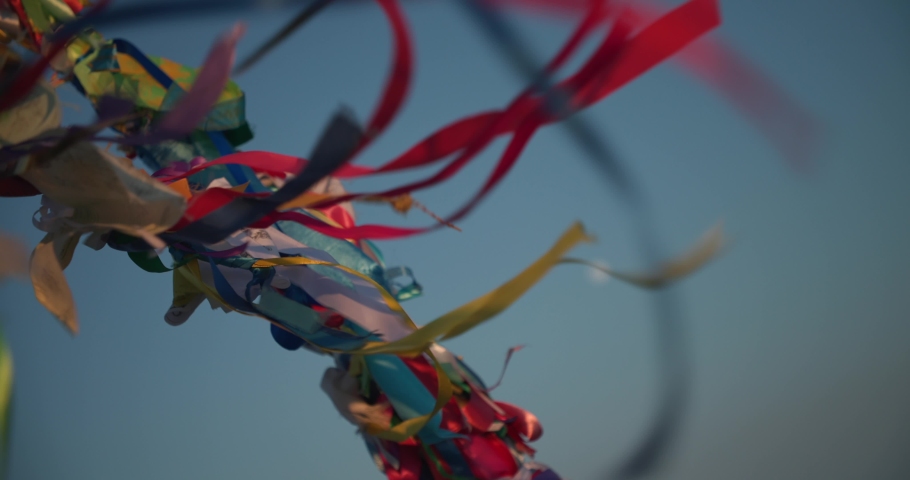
(681, 266)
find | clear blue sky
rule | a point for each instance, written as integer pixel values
(799, 333)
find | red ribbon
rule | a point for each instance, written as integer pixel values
(616, 62)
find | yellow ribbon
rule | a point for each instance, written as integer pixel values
(711, 243)
(481, 309)
(6, 395)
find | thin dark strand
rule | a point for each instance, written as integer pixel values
(309, 12)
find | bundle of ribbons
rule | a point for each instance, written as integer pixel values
(275, 236)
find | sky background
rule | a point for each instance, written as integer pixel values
(799, 334)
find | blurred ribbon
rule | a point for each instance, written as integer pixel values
(6, 403)
(13, 263)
